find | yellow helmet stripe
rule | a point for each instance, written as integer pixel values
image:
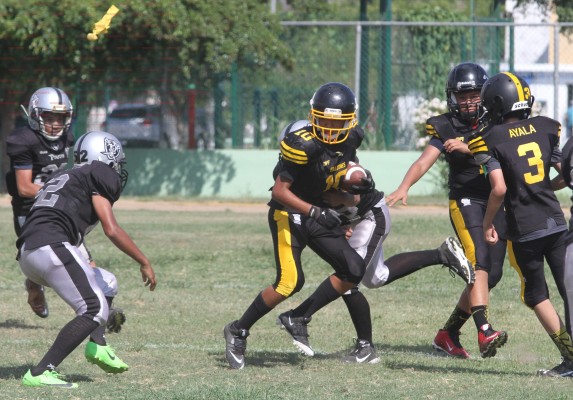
(518, 86)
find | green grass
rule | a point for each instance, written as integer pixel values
(210, 266)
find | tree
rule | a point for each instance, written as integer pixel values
(563, 8)
(162, 45)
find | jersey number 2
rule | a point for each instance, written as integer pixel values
(46, 196)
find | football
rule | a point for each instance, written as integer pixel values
(354, 174)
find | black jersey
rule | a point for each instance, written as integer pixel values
(29, 150)
(465, 177)
(63, 209)
(525, 151)
(567, 163)
(313, 166)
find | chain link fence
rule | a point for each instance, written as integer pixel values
(395, 69)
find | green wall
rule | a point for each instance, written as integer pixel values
(244, 174)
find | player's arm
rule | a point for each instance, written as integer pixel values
(281, 192)
(494, 202)
(428, 158)
(26, 188)
(558, 182)
(121, 239)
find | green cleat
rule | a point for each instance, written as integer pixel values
(47, 379)
(105, 358)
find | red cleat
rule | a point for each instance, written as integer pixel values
(490, 341)
(449, 343)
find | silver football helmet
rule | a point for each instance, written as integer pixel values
(101, 146)
(49, 100)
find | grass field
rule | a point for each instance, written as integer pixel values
(210, 265)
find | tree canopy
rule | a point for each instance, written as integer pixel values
(161, 44)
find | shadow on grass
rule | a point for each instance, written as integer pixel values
(16, 323)
(385, 350)
(268, 359)
(19, 371)
(471, 368)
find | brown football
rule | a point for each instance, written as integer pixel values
(354, 174)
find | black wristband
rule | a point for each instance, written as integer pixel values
(314, 212)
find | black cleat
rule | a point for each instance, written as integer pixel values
(236, 344)
(297, 328)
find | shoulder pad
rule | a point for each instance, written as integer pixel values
(551, 124)
(293, 127)
(298, 146)
(355, 136)
(22, 135)
(436, 125)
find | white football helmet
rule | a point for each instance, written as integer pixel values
(101, 146)
(51, 100)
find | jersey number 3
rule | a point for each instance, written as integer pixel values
(535, 160)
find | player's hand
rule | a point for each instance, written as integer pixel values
(348, 232)
(490, 235)
(452, 145)
(326, 217)
(148, 276)
(399, 194)
(367, 185)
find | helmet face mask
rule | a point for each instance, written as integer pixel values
(463, 78)
(50, 108)
(104, 147)
(332, 113)
(504, 94)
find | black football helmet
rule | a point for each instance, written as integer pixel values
(332, 102)
(464, 77)
(506, 93)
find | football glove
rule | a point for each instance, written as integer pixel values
(326, 217)
(367, 186)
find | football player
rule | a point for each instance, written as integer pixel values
(369, 225)
(66, 208)
(313, 160)
(468, 194)
(36, 151)
(517, 153)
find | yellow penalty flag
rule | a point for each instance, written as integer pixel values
(102, 25)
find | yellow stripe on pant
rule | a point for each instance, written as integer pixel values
(288, 271)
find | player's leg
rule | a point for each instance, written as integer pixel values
(568, 282)
(528, 259)
(56, 266)
(466, 216)
(331, 246)
(288, 243)
(36, 293)
(555, 255)
(108, 283)
(99, 284)
(367, 238)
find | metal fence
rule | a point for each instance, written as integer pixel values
(395, 69)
